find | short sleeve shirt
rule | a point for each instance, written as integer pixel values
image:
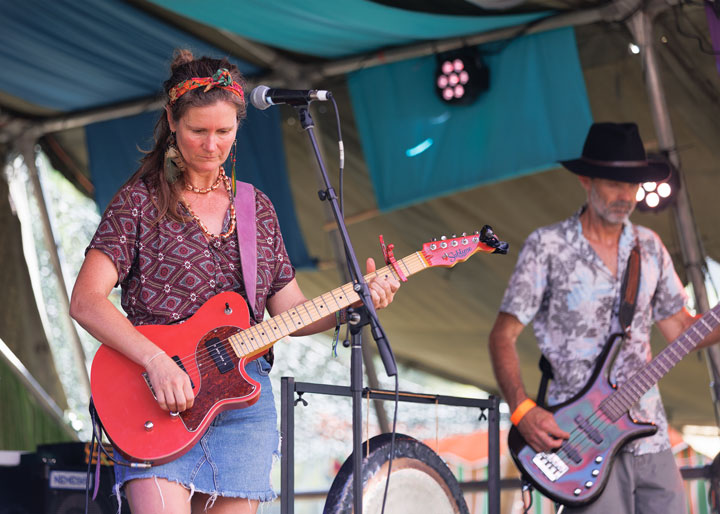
(562, 286)
(168, 269)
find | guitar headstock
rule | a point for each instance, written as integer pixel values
(448, 252)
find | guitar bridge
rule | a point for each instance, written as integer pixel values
(147, 381)
(182, 367)
(551, 465)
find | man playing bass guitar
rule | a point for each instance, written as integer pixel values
(568, 282)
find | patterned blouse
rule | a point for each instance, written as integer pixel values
(571, 297)
(169, 269)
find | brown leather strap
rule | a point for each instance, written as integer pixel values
(630, 287)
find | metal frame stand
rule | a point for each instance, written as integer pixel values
(287, 425)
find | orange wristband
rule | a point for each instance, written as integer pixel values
(521, 410)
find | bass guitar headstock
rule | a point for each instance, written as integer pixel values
(448, 252)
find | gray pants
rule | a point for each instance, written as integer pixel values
(642, 484)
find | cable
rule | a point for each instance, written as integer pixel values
(341, 157)
(700, 41)
(341, 166)
(495, 48)
(392, 443)
(527, 488)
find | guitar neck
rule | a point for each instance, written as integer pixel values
(626, 396)
(258, 338)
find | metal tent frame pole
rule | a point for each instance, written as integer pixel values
(641, 26)
(26, 146)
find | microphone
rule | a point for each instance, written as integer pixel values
(263, 97)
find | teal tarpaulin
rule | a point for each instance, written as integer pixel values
(338, 28)
(535, 113)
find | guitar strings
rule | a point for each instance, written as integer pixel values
(412, 264)
(254, 342)
(620, 402)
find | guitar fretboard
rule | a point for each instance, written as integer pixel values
(260, 337)
(618, 403)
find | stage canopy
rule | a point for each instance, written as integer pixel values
(84, 78)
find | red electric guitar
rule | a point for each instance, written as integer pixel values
(599, 423)
(213, 347)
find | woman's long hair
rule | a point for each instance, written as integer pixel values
(166, 196)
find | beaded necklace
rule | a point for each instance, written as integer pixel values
(231, 229)
(203, 190)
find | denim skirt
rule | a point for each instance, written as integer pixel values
(234, 457)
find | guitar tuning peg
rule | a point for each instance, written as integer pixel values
(443, 238)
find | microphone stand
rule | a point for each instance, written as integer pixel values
(357, 317)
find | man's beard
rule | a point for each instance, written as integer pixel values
(615, 213)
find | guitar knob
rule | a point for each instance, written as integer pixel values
(443, 238)
(464, 234)
(454, 236)
(149, 425)
(174, 414)
(434, 239)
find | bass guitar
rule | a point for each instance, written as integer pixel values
(599, 422)
(213, 347)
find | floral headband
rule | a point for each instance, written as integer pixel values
(221, 78)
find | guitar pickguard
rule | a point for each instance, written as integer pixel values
(216, 384)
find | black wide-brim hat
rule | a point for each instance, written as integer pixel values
(614, 151)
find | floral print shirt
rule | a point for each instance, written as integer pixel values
(167, 270)
(562, 286)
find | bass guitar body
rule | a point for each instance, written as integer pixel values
(125, 401)
(577, 472)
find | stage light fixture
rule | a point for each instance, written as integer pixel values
(656, 196)
(461, 76)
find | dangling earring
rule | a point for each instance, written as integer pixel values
(173, 164)
(233, 154)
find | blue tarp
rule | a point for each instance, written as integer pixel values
(66, 55)
(337, 28)
(115, 146)
(535, 113)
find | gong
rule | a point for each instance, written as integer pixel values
(420, 481)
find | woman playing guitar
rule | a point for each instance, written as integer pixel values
(173, 238)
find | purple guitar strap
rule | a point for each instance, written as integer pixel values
(247, 239)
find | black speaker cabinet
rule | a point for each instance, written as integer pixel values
(65, 491)
(53, 481)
